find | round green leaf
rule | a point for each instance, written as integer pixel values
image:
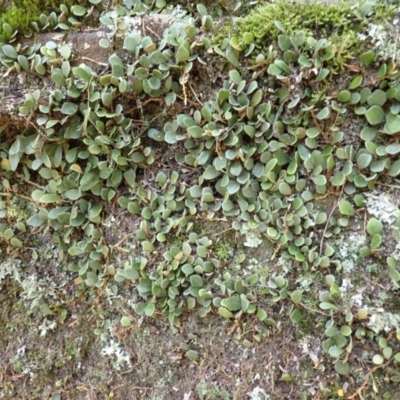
(345, 207)
(225, 313)
(69, 108)
(196, 281)
(344, 96)
(393, 148)
(233, 303)
(345, 330)
(394, 169)
(363, 160)
(140, 307)
(149, 310)
(338, 179)
(324, 113)
(235, 76)
(211, 173)
(377, 98)
(368, 133)
(342, 368)
(377, 359)
(9, 51)
(356, 82)
(296, 296)
(376, 241)
(319, 180)
(367, 57)
(392, 124)
(182, 54)
(50, 198)
(262, 314)
(154, 83)
(82, 73)
(285, 189)
(78, 10)
(126, 321)
(374, 226)
(16, 242)
(23, 62)
(296, 316)
(375, 115)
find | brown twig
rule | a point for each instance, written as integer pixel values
(154, 33)
(194, 93)
(276, 251)
(387, 185)
(182, 80)
(26, 198)
(234, 327)
(143, 27)
(365, 222)
(28, 181)
(226, 230)
(118, 244)
(365, 383)
(312, 310)
(319, 126)
(121, 249)
(324, 196)
(8, 72)
(94, 61)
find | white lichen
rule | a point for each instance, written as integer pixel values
(111, 348)
(46, 326)
(382, 207)
(348, 251)
(357, 300)
(384, 321)
(259, 394)
(385, 40)
(346, 285)
(9, 268)
(252, 239)
(37, 291)
(118, 355)
(308, 347)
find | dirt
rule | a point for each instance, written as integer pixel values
(66, 360)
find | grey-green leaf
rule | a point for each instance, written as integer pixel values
(374, 226)
(375, 115)
(225, 313)
(346, 207)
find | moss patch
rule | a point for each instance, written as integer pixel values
(339, 22)
(23, 12)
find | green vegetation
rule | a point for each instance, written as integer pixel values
(258, 203)
(340, 22)
(25, 15)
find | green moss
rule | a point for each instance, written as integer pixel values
(24, 12)
(223, 251)
(19, 19)
(314, 18)
(339, 22)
